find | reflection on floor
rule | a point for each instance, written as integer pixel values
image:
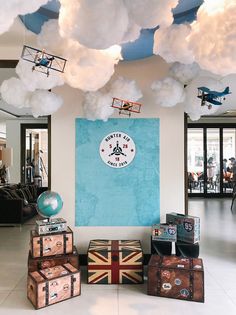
(218, 248)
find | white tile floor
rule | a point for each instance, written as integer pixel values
(218, 249)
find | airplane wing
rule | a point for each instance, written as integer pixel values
(29, 53)
(214, 102)
(57, 63)
(135, 107)
(119, 103)
(204, 89)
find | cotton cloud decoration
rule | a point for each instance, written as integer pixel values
(86, 69)
(95, 24)
(184, 73)
(44, 103)
(192, 104)
(213, 36)
(14, 92)
(125, 89)
(168, 92)
(150, 13)
(101, 24)
(97, 105)
(11, 8)
(37, 80)
(172, 45)
(209, 41)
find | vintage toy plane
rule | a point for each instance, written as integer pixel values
(126, 107)
(210, 98)
(43, 62)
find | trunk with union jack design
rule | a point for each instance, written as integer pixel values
(115, 262)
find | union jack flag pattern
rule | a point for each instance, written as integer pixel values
(115, 262)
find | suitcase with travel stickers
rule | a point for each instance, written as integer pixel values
(52, 261)
(176, 277)
(60, 243)
(52, 285)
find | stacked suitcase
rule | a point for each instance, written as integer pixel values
(53, 265)
(179, 276)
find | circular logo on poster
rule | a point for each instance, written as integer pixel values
(117, 149)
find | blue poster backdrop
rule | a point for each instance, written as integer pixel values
(106, 196)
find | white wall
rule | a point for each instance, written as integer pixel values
(171, 152)
(2, 129)
(13, 132)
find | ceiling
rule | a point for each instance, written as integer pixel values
(141, 48)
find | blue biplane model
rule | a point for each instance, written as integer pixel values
(210, 98)
(43, 61)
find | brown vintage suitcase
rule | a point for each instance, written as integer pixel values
(51, 244)
(52, 261)
(176, 277)
(52, 285)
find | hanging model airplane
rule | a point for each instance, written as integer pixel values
(43, 62)
(210, 98)
(126, 107)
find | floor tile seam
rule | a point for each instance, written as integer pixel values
(221, 287)
(9, 293)
(20, 289)
(118, 304)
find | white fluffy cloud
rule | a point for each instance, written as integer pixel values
(101, 24)
(37, 80)
(229, 102)
(86, 69)
(44, 103)
(95, 24)
(125, 89)
(193, 103)
(210, 40)
(213, 36)
(97, 105)
(172, 45)
(168, 92)
(14, 92)
(150, 13)
(11, 8)
(184, 73)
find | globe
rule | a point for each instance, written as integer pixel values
(49, 203)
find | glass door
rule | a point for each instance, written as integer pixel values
(195, 160)
(34, 162)
(229, 139)
(211, 159)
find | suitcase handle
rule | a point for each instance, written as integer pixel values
(66, 287)
(48, 239)
(54, 283)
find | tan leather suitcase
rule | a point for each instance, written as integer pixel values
(51, 244)
(52, 261)
(52, 285)
(176, 277)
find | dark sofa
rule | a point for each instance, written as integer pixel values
(18, 203)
